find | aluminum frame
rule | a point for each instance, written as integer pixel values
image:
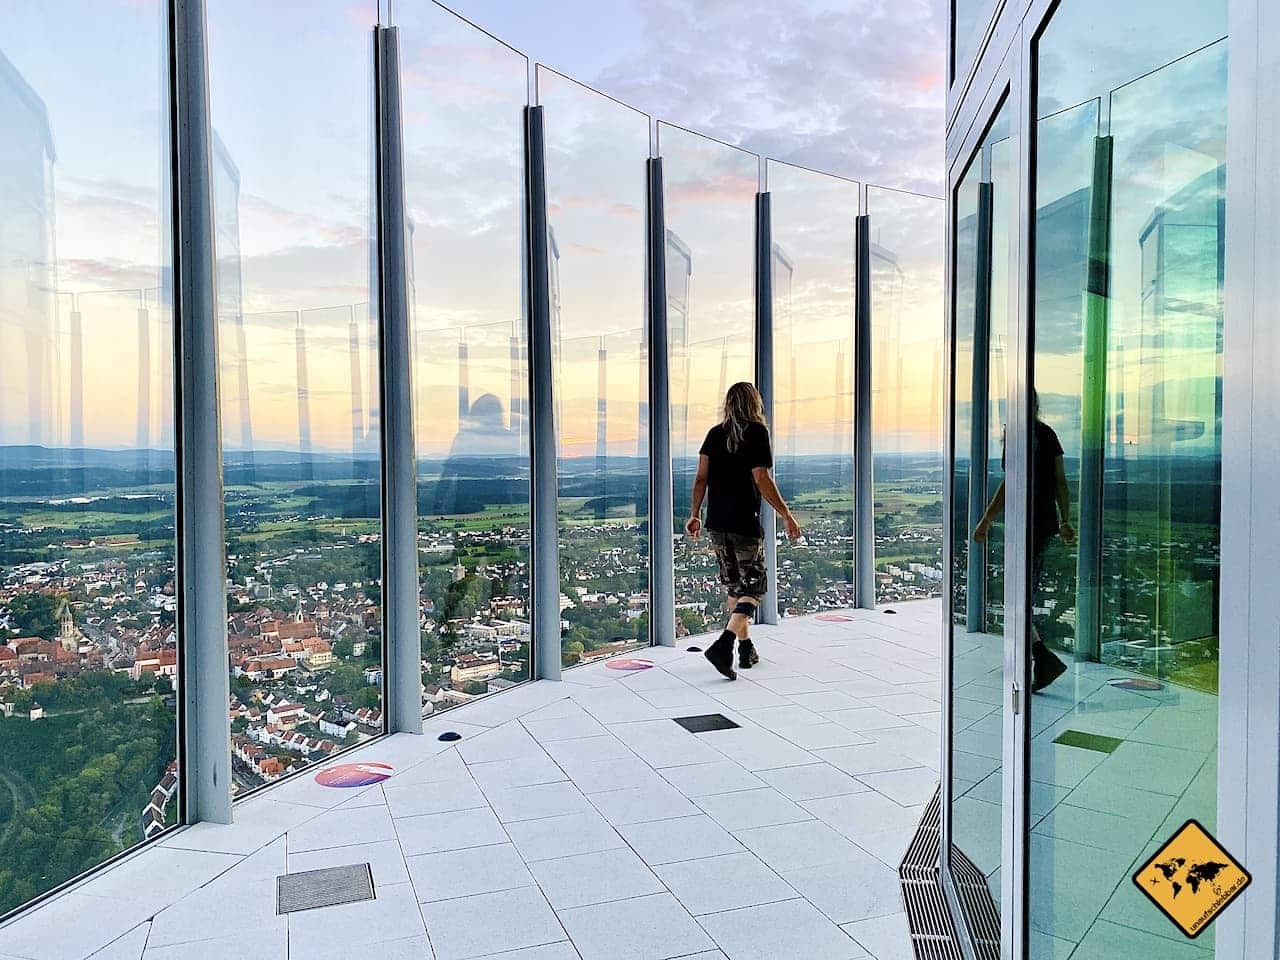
(546, 663)
(402, 647)
(662, 610)
(768, 610)
(204, 685)
(864, 523)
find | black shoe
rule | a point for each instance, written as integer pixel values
(720, 654)
(1045, 667)
(747, 656)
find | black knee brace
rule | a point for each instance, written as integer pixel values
(746, 609)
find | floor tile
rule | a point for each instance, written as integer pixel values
(457, 830)
(642, 804)
(819, 736)
(885, 938)
(588, 749)
(713, 884)
(564, 950)
(757, 749)
(907, 787)
(811, 781)
(563, 836)
(685, 838)
(792, 846)
(605, 775)
(466, 873)
(343, 828)
(856, 813)
(385, 859)
(705, 779)
(248, 945)
(526, 771)
(751, 808)
(595, 878)
(538, 801)
(647, 928)
(127, 947)
(792, 928)
(440, 796)
(854, 888)
(466, 927)
(392, 915)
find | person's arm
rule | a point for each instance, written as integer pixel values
(693, 526)
(769, 490)
(1062, 494)
(994, 509)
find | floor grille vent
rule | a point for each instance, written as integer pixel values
(706, 722)
(329, 887)
(977, 905)
(933, 935)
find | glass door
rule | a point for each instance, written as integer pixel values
(1123, 469)
(983, 201)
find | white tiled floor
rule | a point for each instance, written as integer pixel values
(577, 821)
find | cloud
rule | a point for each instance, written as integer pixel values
(857, 90)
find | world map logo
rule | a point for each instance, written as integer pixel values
(1192, 878)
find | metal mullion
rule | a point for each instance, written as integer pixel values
(204, 685)
(402, 647)
(768, 611)
(544, 532)
(864, 530)
(661, 498)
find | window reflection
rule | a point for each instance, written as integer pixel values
(709, 201)
(906, 404)
(463, 96)
(813, 217)
(88, 649)
(299, 370)
(1130, 206)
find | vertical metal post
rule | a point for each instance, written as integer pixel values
(545, 546)
(1093, 414)
(203, 681)
(764, 383)
(975, 584)
(864, 528)
(662, 611)
(402, 643)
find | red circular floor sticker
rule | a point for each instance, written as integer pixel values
(835, 618)
(629, 664)
(354, 775)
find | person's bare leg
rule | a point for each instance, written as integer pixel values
(740, 626)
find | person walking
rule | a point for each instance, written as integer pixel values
(1050, 518)
(734, 474)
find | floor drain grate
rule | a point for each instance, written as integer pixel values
(706, 722)
(329, 887)
(933, 935)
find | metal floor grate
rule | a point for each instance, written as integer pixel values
(706, 722)
(933, 935)
(329, 887)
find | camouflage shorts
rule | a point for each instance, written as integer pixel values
(741, 560)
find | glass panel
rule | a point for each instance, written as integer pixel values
(814, 222)
(967, 17)
(464, 94)
(87, 644)
(595, 150)
(1125, 466)
(709, 194)
(292, 200)
(908, 242)
(981, 325)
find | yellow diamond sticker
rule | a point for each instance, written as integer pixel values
(1192, 879)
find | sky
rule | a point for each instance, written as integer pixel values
(854, 88)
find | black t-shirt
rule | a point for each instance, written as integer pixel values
(733, 500)
(1046, 448)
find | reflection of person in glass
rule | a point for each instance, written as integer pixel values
(470, 479)
(1050, 517)
(734, 473)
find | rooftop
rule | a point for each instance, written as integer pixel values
(575, 819)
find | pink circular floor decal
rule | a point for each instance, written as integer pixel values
(354, 774)
(628, 664)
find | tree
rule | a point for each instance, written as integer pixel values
(368, 697)
(35, 615)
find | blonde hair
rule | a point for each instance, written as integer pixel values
(742, 406)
